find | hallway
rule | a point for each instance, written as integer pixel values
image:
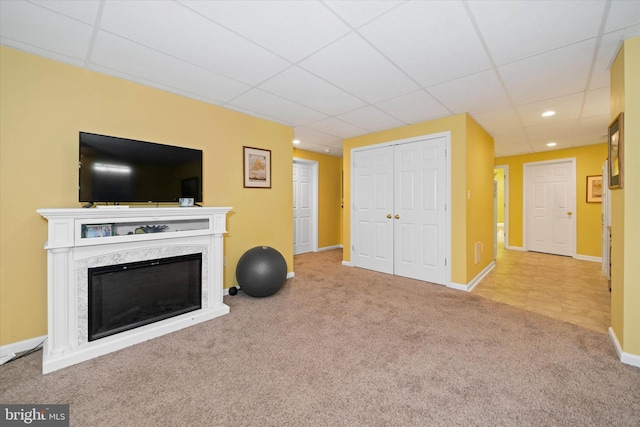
(563, 288)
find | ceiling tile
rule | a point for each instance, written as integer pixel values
(507, 26)
(622, 13)
(475, 93)
(370, 118)
(359, 12)
(433, 41)
(279, 109)
(369, 75)
(509, 137)
(85, 11)
(115, 53)
(414, 107)
(308, 135)
(566, 108)
(338, 128)
(597, 103)
(306, 89)
(560, 132)
(549, 75)
(498, 121)
(180, 32)
(610, 44)
(592, 130)
(302, 26)
(47, 30)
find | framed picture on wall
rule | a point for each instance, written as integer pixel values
(616, 152)
(257, 167)
(594, 189)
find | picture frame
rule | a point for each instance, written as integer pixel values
(594, 189)
(616, 152)
(97, 230)
(256, 167)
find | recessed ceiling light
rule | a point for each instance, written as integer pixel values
(296, 141)
(551, 144)
(548, 113)
(327, 150)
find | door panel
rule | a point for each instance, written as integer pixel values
(302, 208)
(372, 209)
(551, 209)
(420, 207)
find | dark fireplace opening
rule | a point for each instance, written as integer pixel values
(127, 296)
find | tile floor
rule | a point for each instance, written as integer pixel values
(564, 288)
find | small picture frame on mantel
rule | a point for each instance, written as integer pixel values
(256, 167)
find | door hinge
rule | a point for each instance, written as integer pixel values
(445, 262)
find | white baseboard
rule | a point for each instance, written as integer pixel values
(515, 248)
(21, 346)
(588, 258)
(291, 275)
(328, 248)
(469, 286)
(347, 263)
(626, 358)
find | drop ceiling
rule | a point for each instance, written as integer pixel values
(338, 69)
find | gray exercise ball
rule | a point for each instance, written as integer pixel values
(261, 271)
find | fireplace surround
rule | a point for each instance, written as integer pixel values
(81, 241)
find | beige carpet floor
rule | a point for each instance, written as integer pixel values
(341, 346)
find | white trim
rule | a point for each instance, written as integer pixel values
(626, 358)
(314, 200)
(447, 136)
(588, 258)
(515, 248)
(347, 263)
(505, 224)
(21, 346)
(469, 287)
(527, 184)
(328, 248)
(291, 275)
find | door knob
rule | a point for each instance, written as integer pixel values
(569, 213)
(388, 215)
(397, 216)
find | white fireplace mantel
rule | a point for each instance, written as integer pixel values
(79, 239)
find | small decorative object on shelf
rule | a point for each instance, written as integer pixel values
(151, 229)
(97, 230)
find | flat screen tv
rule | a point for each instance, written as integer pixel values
(119, 170)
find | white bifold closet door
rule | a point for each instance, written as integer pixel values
(400, 209)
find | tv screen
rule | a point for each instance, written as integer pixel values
(116, 169)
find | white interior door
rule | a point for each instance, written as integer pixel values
(372, 210)
(419, 210)
(304, 224)
(399, 223)
(551, 207)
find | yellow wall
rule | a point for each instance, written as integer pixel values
(625, 226)
(43, 106)
(462, 268)
(499, 179)
(329, 196)
(480, 209)
(589, 161)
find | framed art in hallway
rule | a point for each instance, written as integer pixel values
(257, 167)
(616, 152)
(594, 189)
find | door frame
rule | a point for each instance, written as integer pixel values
(528, 185)
(505, 197)
(314, 200)
(447, 226)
